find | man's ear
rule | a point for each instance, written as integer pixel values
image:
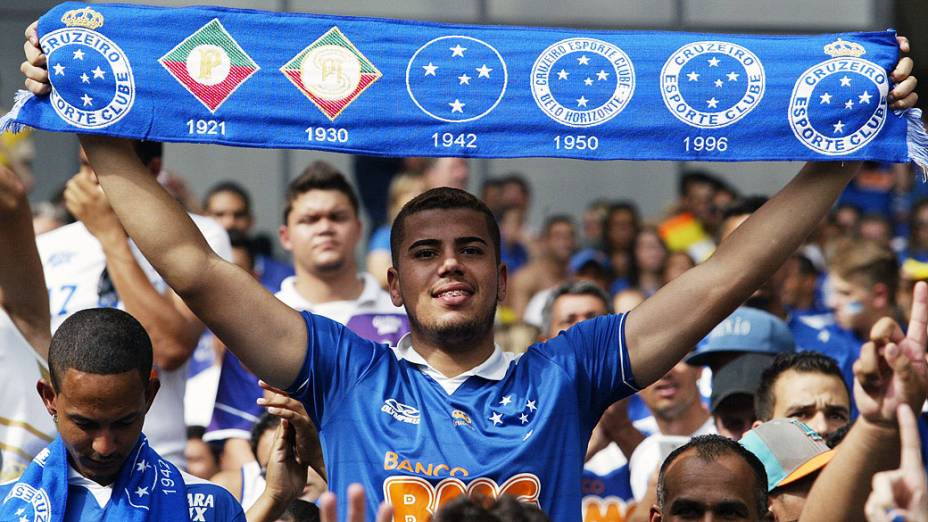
(756, 423)
(502, 282)
(393, 285)
(154, 384)
(283, 233)
(48, 395)
(655, 514)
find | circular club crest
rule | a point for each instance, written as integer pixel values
(582, 82)
(712, 84)
(34, 503)
(92, 82)
(839, 105)
(208, 64)
(331, 72)
(456, 78)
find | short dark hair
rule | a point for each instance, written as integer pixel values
(265, 422)
(301, 511)
(441, 198)
(802, 362)
(238, 239)
(744, 206)
(320, 175)
(102, 341)
(572, 288)
(550, 221)
(148, 151)
(228, 186)
(696, 177)
(505, 508)
(709, 448)
(514, 178)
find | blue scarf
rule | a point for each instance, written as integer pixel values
(402, 88)
(147, 488)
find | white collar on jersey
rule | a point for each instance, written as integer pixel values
(493, 369)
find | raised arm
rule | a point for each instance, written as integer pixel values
(267, 335)
(22, 282)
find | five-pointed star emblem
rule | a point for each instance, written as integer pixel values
(141, 466)
(839, 127)
(718, 83)
(430, 69)
(59, 69)
(483, 71)
(562, 74)
(864, 98)
(78, 54)
(693, 76)
(602, 75)
(849, 104)
(583, 60)
(85, 78)
(588, 81)
(457, 106)
(496, 418)
(713, 62)
(581, 101)
(845, 81)
(531, 405)
(825, 98)
(523, 418)
(87, 100)
(732, 76)
(506, 401)
(457, 50)
(141, 492)
(464, 79)
(98, 72)
(712, 103)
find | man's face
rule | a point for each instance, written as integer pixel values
(674, 393)
(561, 241)
(100, 418)
(786, 502)
(200, 460)
(852, 303)
(447, 275)
(820, 401)
(621, 228)
(322, 231)
(734, 416)
(698, 201)
(568, 310)
(230, 210)
(696, 490)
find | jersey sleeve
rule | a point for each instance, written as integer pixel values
(336, 358)
(594, 352)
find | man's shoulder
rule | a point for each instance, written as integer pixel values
(207, 496)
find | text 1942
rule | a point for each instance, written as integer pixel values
(206, 127)
(451, 140)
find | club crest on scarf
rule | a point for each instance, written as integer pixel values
(839, 105)
(36, 506)
(582, 82)
(456, 78)
(331, 72)
(712, 84)
(92, 82)
(210, 64)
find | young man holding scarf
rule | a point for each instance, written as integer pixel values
(446, 412)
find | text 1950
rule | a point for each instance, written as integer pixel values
(576, 142)
(450, 140)
(327, 134)
(206, 127)
(705, 144)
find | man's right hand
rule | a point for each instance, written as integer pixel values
(35, 68)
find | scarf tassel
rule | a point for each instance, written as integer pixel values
(917, 141)
(7, 121)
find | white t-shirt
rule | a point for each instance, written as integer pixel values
(25, 425)
(73, 260)
(652, 451)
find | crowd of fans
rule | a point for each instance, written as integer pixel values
(803, 404)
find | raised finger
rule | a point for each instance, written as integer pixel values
(385, 513)
(903, 43)
(886, 329)
(867, 365)
(327, 508)
(903, 69)
(911, 456)
(356, 511)
(904, 88)
(270, 388)
(32, 32)
(918, 325)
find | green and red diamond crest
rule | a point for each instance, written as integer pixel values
(210, 64)
(331, 72)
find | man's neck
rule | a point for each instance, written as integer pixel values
(686, 424)
(341, 285)
(452, 363)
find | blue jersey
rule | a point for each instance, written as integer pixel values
(832, 340)
(519, 426)
(606, 497)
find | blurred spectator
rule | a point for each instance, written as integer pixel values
(202, 458)
(650, 255)
(870, 192)
(491, 195)
(373, 175)
(47, 217)
(746, 330)
(917, 245)
(690, 226)
(558, 241)
(805, 386)
(515, 192)
(230, 204)
(513, 249)
(798, 291)
(677, 263)
(404, 187)
(793, 455)
(625, 300)
(847, 218)
(619, 231)
(446, 172)
(877, 228)
(594, 217)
